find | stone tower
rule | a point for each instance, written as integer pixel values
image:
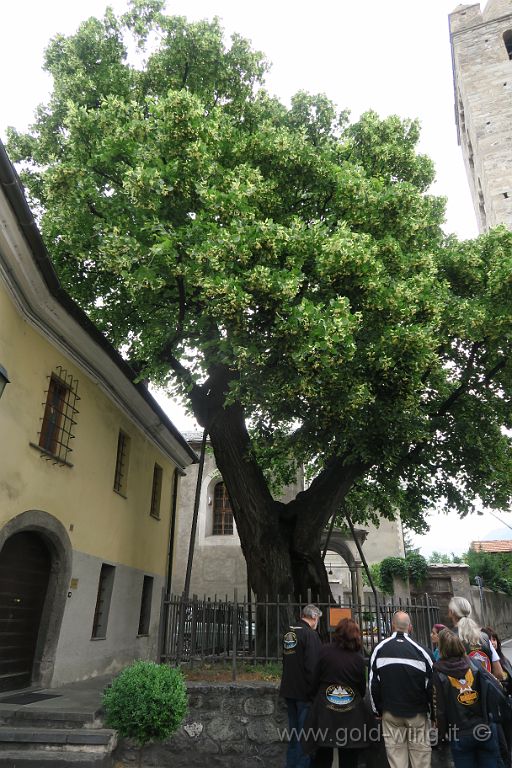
(482, 74)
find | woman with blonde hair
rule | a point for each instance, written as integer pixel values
(477, 644)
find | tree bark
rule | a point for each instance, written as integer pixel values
(281, 542)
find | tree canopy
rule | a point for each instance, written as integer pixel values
(277, 260)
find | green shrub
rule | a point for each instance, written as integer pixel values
(146, 701)
(413, 567)
(417, 567)
(392, 566)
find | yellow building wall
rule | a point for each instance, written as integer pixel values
(99, 521)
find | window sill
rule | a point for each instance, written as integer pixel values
(50, 456)
(122, 495)
(155, 517)
(144, 635)
(93, 639)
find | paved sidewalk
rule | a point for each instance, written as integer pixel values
(77, 700)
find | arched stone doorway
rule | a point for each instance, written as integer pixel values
(343, 545)
(35, 570)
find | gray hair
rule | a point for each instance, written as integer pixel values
(311, 611)
(460, 607)
(468, 631)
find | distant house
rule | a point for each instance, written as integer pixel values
(88, 477)
(500, 545)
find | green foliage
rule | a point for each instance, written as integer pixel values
(417, 567)
(438, 558)
(413, 567)
(390, 567)
(375, 574)
(279, 261)
(495, 569)
(270, 671)
(146, 701)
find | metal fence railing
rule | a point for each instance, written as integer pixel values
(237, 631)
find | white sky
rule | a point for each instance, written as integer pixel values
(393, 57)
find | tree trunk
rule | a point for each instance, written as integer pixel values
(280, 542)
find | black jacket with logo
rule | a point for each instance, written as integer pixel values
(339, 715)
(465, 696)
(400, 679)
(301, 648)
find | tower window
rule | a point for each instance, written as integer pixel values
(222, 512)
(481, 206)
(507, 39)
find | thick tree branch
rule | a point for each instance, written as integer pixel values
(463, 386)
(313, 507)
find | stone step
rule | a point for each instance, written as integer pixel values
(46, 758)
(91, 740)
(41, 718)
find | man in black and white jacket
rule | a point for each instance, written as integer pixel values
(400, 684)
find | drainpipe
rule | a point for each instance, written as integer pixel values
(170, 557)
(164, 613)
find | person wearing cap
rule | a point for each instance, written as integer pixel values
(301, 650)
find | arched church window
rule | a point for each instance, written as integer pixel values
(222, 512)
(507, 39)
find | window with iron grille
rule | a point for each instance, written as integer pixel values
(156, 492)
(105, 586)
(145, 605)
(122, 458)
(222, 512)
(59, 416)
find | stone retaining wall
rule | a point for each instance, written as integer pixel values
(229, 724)
(233, 725)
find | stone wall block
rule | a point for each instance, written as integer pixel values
(263, 730)
(195, 700)
(231, 705)
(225, 729)
(260, 706)
(234, 748)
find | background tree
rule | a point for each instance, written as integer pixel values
(439, 558)
(285, 271)
(495, 569)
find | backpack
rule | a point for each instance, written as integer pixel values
(497, 704)
(480, 657)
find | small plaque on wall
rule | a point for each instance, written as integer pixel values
(73, 584)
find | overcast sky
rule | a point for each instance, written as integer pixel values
(393, 57)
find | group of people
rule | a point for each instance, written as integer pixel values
(407, 694)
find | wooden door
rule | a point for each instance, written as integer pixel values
(24, 573)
